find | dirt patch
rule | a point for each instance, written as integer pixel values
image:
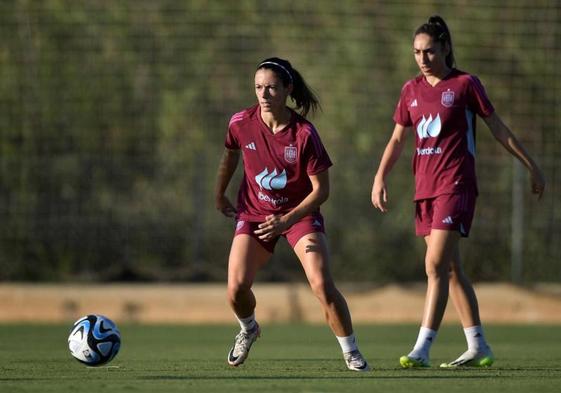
(499, 303)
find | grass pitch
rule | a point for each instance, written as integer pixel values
(287, 358)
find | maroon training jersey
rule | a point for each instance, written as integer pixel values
(443, 119)
(276, 166)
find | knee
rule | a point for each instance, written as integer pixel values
(324, 290)
(437, 269)
(237, 290)
(456, 273)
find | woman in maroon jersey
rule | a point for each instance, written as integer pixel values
(440, 106)
(285, 181)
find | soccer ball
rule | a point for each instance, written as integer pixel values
(94, 340)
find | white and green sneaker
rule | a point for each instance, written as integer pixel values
(244, 340)
(355, 361)
(471, 358)
(407, 361)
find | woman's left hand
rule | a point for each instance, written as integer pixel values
(273, 226)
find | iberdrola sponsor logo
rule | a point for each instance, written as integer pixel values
(271, 181)
(273, 201)
(429, 151)
(429, 127)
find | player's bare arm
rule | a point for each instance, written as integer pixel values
(391, 155)
(506, 138)
(226, 169)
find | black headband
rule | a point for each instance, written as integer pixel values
(278, 65)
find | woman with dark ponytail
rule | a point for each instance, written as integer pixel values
(439, 106)
(285, 181)
(438, 30)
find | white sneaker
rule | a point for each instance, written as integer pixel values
(471, 358)
(355, 361)
(238, 353)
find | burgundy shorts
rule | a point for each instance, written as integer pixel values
(452, 212)
(307, 225)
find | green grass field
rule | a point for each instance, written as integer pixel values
(302, 358)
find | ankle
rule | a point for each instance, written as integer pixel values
(248, 324)
(347, 343)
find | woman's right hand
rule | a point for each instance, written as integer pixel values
(379, 194)
(224, 205)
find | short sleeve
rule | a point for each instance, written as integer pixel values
(232, 141)
(478, 101)
(401, 114)
(315, 154)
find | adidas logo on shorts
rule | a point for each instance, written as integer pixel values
(448, 220)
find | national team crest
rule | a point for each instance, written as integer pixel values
(290, 154)
(447, 99)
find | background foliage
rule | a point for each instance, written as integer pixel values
(113, 116)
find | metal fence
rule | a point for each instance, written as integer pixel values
(113, 114)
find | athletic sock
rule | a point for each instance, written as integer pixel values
(424, 341)
(247, 324)
(475, 338)
(348, 343)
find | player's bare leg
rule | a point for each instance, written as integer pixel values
(246, 257)
(463, 296)
(313, 254)
(441, 248)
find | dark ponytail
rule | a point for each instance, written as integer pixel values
(302, 95)
(437, 29)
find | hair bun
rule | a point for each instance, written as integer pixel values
(435, 20)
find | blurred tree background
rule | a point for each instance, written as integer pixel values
(113, 117)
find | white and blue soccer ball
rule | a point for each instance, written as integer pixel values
(94, 340)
